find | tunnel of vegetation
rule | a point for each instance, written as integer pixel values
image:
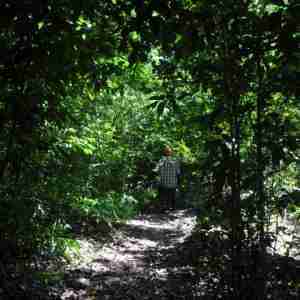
(92, 90)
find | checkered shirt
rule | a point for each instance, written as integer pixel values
(168, 172)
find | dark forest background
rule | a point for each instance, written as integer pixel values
(91, 91)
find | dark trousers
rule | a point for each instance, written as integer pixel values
(167, 197)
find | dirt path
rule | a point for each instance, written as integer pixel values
(154, 257)
(137, 264)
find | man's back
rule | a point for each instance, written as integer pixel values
(168, 172)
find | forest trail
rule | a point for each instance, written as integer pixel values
(138, 263)
(154, 256)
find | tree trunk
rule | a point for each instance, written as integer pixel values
(236, 222)
(259, 157)
(4, 163)
(258, 254)
(233, 98)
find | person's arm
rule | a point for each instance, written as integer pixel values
(157, 170)
(158, 166)
(178, 172)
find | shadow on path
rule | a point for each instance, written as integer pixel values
(135, 264)
(157, 257)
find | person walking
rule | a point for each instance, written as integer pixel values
(169, 175)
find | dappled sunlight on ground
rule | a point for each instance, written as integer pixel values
(137, 236)
(161, 256)
(135, 254)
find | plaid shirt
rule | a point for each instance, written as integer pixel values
(168, 172)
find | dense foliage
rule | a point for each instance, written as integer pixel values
(91, 91)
